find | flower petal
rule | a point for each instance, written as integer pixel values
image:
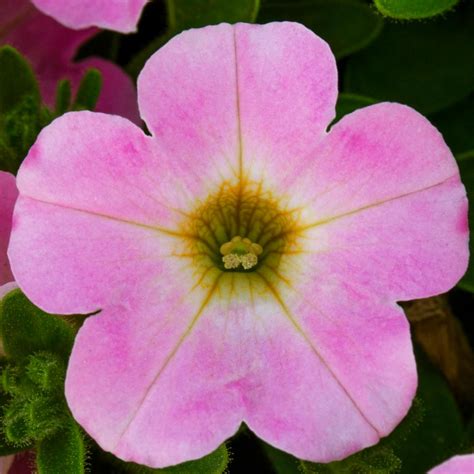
(455, 465)
(8, 195)
(5, 463)
(37, 36)
(247, 92)
(90, 207)
(173, 380)
(118, 15)
(44, 41)
(387, 206)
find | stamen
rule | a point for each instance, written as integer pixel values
(231, 261)
(240, 251)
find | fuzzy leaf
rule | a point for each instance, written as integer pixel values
(6, 447)
(63, 452)
(413, 9)
(214, 463)
(25, 329)
(429, 66)
(17, 80)
(347, 25)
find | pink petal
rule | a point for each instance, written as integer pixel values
(8, 195)
(220, 97)
(50, 47)
(5, 463)
(24, 463)
(118, 15)
(71, 198)
(46, 43)
(169, 382)
(456, 465)
(388, 207)
(176, 360)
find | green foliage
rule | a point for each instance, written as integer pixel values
(65, 451)
(37, 346)
(370, 461)
(185, 14)
(413, 9)
(35, 331)
(214, 463)
(17, 80)
(466, 167)
(347, 103)
(63, 97)
(347, 25)
(22, 115)
(456, 125)
(428, 65)
(282, 463)
(88, 91)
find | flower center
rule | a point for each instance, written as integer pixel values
(240, 251)
(241, 229)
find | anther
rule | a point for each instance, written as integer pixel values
(240, 251)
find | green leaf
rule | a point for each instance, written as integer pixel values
(6, 447)
(17, 80)
(466, 167)
(347, 25)
(63, 97)
(283, 463)
(455, 123)
(429, 66)
(347, 103)
(214, 463)
(25, 329)
(88, 91)
(66, 451)
(413, 9)
(368, 461)
(184, 14)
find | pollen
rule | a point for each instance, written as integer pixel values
(240, 251)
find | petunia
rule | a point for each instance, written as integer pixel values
(246, 261)
(51, 47)
(8, 195)
(118, 15)
(456, 465)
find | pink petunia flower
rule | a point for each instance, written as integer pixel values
(118, 15)
(456, 465)
(246, 262)
(51, 47)
(8, 195)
